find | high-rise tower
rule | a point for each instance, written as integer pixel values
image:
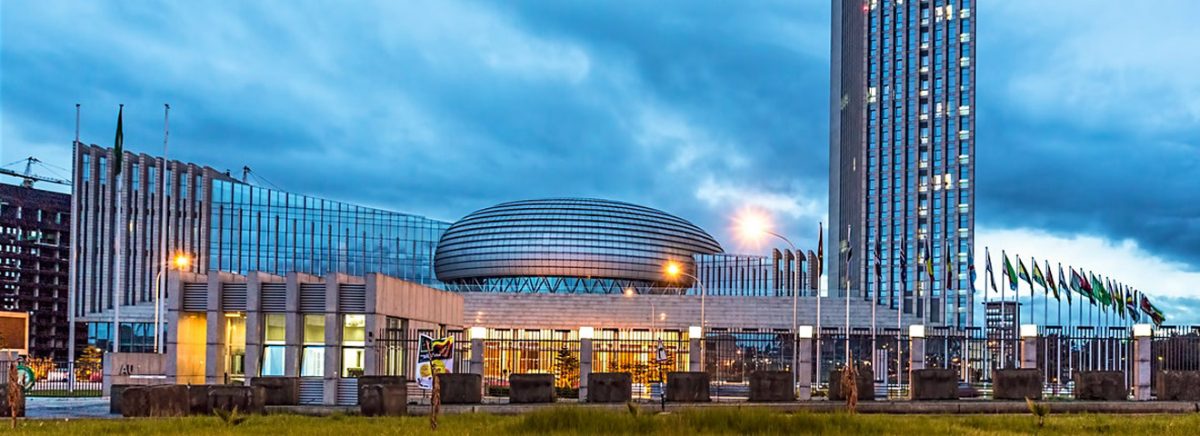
(902, 153)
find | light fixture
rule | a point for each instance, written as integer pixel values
(587, 333)
(1143, 330)
(478, 332)
(916, 331)
(1029, 330)
(695, 332)
(806, 332)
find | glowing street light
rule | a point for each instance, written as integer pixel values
(181, 262)
(753, 225)
(674, 271)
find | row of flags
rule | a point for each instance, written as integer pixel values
(1122, 300)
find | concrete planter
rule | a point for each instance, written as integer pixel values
(934, 384)
(383, 399)
(866, 385)
(1178, 386)
(461, 388)
(609, 387)
(246, 399)
(1017, 384)
(1101, 386)
(380, 380)
(531, 388)
(5, 408)
(279, 391)
(687, 387)
(771, 386)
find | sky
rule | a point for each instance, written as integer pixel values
(1088, 111)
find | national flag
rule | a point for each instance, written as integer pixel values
(951, 276)
(1130, 303)
(1022, 272)
(904, 263)
(1101, 294)
(1152, 311)
(1009, 272)
(971, 268)
(987, 257)
(1062, 282)
(1038, 276)
(929, 260)
(878, 261)
(820, 246)
(1085, 286)
(1050, 281)
(119, 144)
(1118, 299)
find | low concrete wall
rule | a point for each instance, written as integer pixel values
(246, 399)
(1178, 386)
(380, 380)
(279, 391)
(161, 400)
(134, 369)
(866, 385)
(383, 399)
(772, 386)
(609, 387)
(1017, 384)
(461, 388)
(1101, 386)
(934, 384)
(5, 408)
(687, 387)
(531, 388)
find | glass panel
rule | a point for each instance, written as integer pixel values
(276, 330)
(312, 362)
(352, 362)
(314, 329)
(273, 360)
(354, 332)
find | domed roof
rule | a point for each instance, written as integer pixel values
(568, 237)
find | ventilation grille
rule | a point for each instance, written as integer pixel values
(195, 297)
(352, 298)
(274, 297)
(347, 391)
(312, 391)
(312, 297)
(233, 297)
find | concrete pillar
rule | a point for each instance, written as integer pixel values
(293, 328)
(254, 333)
(1029, 345)
(174, 303)
(804, 368)
(477, 355)
(373, 354)
(214, 350)
(1142, 336)
(694, 364)
(585, 366)
(333, 339)
(916, 349)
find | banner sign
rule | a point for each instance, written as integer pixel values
(434, 356)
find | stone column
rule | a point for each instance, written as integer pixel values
(585, 366)
(804, 368)
(1142, 335)
(694, 363)
(333, 339)
(477, 356)
(215, 351)
(254, 333)
(1029, 346)
(293, 327)
(916, 354)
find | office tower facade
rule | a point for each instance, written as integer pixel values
(35, 238)
(221, 224)
(902, 154)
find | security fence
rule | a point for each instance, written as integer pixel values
(731, 356)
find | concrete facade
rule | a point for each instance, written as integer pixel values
(219, 325)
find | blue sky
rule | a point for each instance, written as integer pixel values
(1088, 110)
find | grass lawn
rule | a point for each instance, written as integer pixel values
(567, 420)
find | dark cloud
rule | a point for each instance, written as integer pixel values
(442, 108)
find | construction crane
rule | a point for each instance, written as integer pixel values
(28, 176)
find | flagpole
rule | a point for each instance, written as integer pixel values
(118, 267)
(72, 283)
(849, 252)
(162, 234)
(820, 270)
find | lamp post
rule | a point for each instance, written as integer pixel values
(180, 262)
(675, 270)
(754, 225)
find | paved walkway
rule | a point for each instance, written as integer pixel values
(64, 408)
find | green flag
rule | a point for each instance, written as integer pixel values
(1009, 272)
(1101, 293)
(1038, 276)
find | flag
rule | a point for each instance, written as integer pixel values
(1153, 312)
(1050, 281)
(1085, 286)
(820, 247)
(1009, 272)
(1038, 276)
(987, 257)
(119, 144)
(1099, 291)
(1062, 282)
(929, 260)
(904, 263)
(1118, 299)
(878, 260)
(971, 268)
(1022, 272)
(948, 264)
(1130, 304)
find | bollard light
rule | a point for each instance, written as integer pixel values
(478, 332)
(1029, 330)
(806, 332)
(1143, 330)
(587, 333)
(695, 332)
(916, 331)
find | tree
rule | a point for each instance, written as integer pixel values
(566, 369)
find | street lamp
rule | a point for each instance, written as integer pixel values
(754, 226)
(674, 271)
(181, 262)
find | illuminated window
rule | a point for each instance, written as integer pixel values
(274, 337)
(312, 360)
(354, 339)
